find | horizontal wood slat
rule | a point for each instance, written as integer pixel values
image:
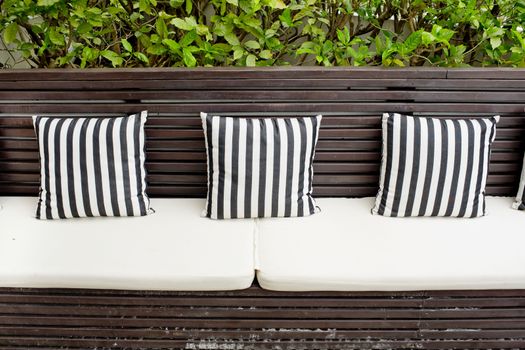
(299, 83)
(339, 133)
(271, 95)
(290, 108)
(263, 313)
(192, 121)
(228, 73)
(201, 178)
(365, 344)
(28, 168)
(266, 334)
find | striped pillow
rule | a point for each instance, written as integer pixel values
(434, 167)
(260, 167)
(520, 197)
(91, 167)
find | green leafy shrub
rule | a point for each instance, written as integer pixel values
(126, 33)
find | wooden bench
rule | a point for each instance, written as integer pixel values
(347, 165)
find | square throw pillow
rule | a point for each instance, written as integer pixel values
(434, 167)
(519, 203)
(260, 167)
(91, 167)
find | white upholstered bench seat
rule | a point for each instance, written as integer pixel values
(345, 248)
(173, 249)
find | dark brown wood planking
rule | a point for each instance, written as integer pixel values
(347, 164)
(259, 319)
(351, 100)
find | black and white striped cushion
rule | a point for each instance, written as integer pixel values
(520, 197)
(92, 167)
(260, 167)
(434, 167)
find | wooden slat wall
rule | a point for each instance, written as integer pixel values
(347, 164)
(257, 319)
(352, 101)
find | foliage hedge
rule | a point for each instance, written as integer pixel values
(126, 33)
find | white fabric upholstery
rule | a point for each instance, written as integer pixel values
(342, 248)
(173, 249)
(345, 248)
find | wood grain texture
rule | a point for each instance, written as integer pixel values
(347, 164)
(259, 319)
(351, 101)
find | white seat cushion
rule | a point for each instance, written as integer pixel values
(345, 248)
(173, 249)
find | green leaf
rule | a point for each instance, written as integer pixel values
(221, 29)
(307, 47)
(379, 45)
(56, 38)
(204, 30)
(115, 11)
(233, 2)
(266, 54)
(353, 53)
(172, 45)
(189, 6)
(398, 62)
(286, 18)
(252, 44)
(412, 42)
(328, 46)
(388, 53)
(176, 3)
(127, 46)
(277, 4)
(84, 28)
(427, 38)
(443, 35)
(10, 33)
(144, 6)
(181, 24)
(27, 46)
(232, 39)
(162, 29)
(90, 54)
(222, 48)
(188, 38)
(188, 58)
(141, 57)
(112, 56)
(238, 53)
(191, 22)
(156, 50)
(250, 60)
(251, 22)
(47, 2)
(493, 32)
(495, 42)
(134, 17)
(343, 35)
(519, 38)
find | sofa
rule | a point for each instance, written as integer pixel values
(341, 278)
